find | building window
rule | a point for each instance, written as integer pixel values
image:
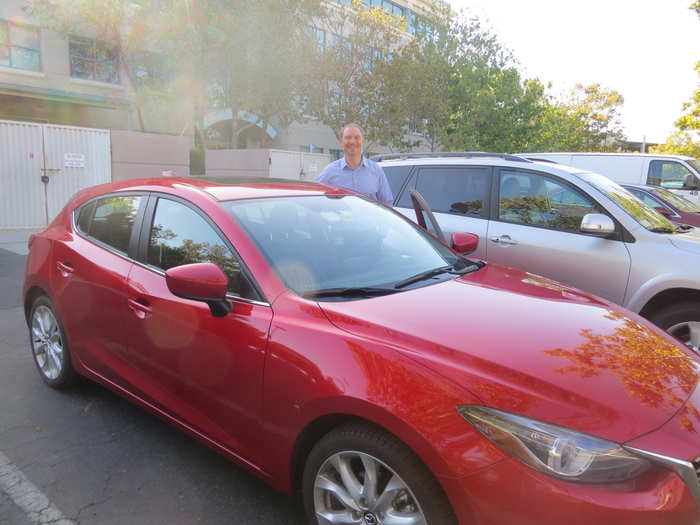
(305, 149)
(336, 153)
(150, 68)
(94, 60)
(19, 46)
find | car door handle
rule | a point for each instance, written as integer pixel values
(504, 239)
(65, 268)
(140, 310)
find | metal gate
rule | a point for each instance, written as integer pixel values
(43, 165)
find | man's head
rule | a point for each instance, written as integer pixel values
(352, 140)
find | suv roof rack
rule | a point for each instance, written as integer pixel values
(504, 156)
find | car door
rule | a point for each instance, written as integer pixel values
(200, 368)
(91, 268)
(457, 195)
(535, 227)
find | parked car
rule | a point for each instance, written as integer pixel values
(677, 173)
(674, 207)
(329, 345)
(572, 226)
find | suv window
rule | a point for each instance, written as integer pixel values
(179, 235)
(669, 174)
(454, 190)
(528, 198)
(396, 176)
(646, 198)
(110, 220)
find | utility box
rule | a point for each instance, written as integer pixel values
(275, 163)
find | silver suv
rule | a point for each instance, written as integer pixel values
(572, 226)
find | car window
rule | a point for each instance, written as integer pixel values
(528, 198)
(396, 176)
(320, 242)
(645, 197)
(454, 190)
(669, 174)
(110, 220)
(179, 235)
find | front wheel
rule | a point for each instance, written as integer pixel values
(682, 321)
(358, 474)
(49, 346)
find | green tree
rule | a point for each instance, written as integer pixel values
(597, 108)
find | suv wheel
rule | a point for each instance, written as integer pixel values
(681, 320)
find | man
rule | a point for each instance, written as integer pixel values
(356, 172)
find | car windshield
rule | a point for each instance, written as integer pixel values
(321, 243)
(641, 212)
(679, 202)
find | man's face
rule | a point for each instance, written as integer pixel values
(352, 141)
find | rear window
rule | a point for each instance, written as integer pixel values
(110, 220)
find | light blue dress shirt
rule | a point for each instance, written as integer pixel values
(367, 178)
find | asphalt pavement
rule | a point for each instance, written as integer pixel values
(87, 456)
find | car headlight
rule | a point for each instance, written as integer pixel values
(555, 450)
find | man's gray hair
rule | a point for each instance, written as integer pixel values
(351, 125)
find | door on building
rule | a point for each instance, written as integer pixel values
(43, 165)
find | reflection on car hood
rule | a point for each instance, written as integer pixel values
(688, 241)
(531, 346)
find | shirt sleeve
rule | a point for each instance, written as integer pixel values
(384, 194)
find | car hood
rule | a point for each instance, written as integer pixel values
(527, 345)
(688, 241)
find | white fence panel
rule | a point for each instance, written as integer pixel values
(22, 202)
(76, 158)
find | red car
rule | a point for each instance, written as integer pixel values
(329, 345)
(673, 207)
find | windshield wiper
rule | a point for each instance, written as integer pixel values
(458, 268)
(347, 292)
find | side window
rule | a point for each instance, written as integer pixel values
(112, 221)
(396, 176)
(179, 235)
(528, 198)
(454, 190)
(85, 217)
(645, 198)
(669, 174)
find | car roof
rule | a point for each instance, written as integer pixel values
(221, 188)
(474, 159)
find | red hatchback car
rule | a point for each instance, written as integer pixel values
(674, 207)
(329, 345)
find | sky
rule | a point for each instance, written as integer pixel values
(646, 50)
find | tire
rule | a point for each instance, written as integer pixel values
(678, 319)
(49, 345)
(403, 486)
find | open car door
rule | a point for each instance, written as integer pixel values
(461, 242)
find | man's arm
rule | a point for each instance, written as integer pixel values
(384, 194)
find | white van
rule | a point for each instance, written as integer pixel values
(674, 172)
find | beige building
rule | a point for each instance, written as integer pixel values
(78, 81)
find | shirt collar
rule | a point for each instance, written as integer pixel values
(344, 163)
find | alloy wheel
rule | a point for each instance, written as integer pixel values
(47, 343)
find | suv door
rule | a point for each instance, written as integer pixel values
(457, 195)
(204, 369)
(535, 227)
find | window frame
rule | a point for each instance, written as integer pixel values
(141, 253)
(135, 230)
(10, 46)
(94, 43)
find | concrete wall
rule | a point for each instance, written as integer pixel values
(136, 155)
(265, 163)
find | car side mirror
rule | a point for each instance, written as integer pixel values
(464, 243)
(597, 224)
(663, 211)
(204, 282)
